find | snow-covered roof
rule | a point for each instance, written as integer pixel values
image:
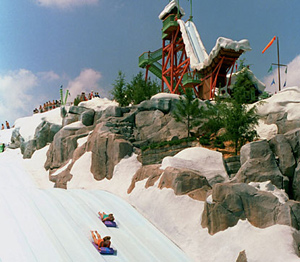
(169, 7)
(196, 51)
(224, 43)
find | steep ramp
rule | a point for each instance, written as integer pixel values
(194, 47)
(54, 224)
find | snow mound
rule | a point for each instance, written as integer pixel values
(5, 135)
(27, 130)
(209, 163)
(98, 104)
(287, 100)
(165, 96)
(265, 131)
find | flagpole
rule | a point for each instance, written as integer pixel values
(278, 63)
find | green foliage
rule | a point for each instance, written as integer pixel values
(239, 123)
(233, 114)
(168, 143)
(264, 95)
(219, 142)
(187, 110)
(119, 90)
(134, 92)
(205, 139)
(213, 111)
(76, 101)
(249, 92)
(139, 90)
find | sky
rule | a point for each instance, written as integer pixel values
(82, 44)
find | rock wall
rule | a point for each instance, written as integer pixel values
(114, 132)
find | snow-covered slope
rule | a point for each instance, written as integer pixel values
(54, 224)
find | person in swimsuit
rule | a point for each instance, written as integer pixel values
(105, 242)
(106, 217)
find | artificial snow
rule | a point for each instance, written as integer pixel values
(267, 186)
(165, 96)
(98, 104)
(27, 130)
(265, 131)
(208, 162)
(42, 223)
(285, 101)
(169, 7)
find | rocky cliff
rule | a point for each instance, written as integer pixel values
(261, 185)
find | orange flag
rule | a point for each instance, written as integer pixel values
(268, 45)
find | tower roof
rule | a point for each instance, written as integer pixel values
(171, 8)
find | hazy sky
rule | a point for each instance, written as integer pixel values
(82, 44)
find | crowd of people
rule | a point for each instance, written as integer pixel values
(91, 95)
(47, 106)
(57, 103)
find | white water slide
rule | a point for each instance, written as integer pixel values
(194, 47)
(54, 224)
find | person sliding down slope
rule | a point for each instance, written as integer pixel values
(105, 217)
(105, 242)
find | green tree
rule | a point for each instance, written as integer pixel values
(233, 114)
(214, 116)
(187, 110)
(243, 79)
(119, 90)
(239, 121)
(139, 90)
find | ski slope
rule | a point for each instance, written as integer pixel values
(54, 224)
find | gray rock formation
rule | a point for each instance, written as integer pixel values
(28, 148)
(16, 139)
(87, 117)
(149, 172)
(293, 138)
(62, 148)
(242, 257)
(282, 149)
(232, 165)
(258, 164)
(107, 150)
(234, 201)
(164, 105)
(44, 134)
(184, 181)
(154, 127)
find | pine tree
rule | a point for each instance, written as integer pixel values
(249, 94)
(119, 90)
(239, 122)
(187, 110)
(233, 114)
(139, 90)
